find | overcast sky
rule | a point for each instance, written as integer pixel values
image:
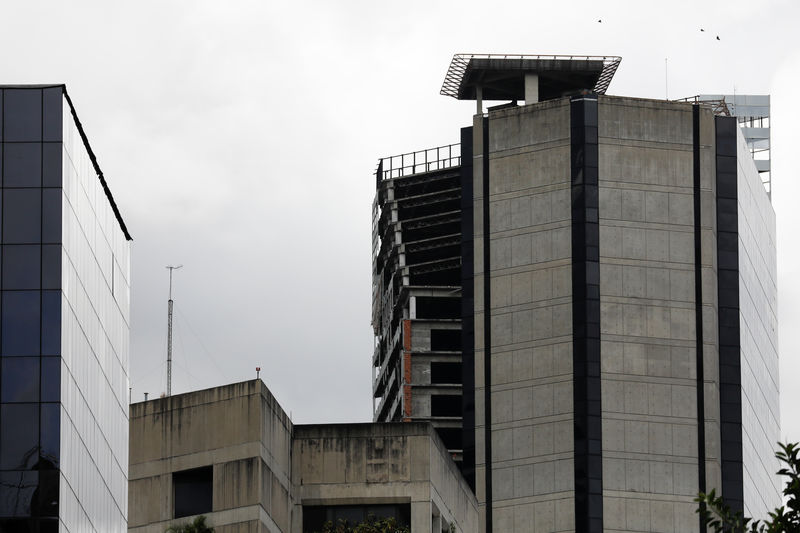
(239, 139)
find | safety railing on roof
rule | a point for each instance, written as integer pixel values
(429, 160)
(719, 107)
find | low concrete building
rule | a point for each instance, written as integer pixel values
(231, 453)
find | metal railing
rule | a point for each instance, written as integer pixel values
(719, 107)
(439, 158)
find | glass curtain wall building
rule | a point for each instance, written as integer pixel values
(64, 324)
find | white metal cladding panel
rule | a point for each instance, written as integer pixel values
(758, 337)
(95, 350)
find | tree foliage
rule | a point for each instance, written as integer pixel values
(198, 525)
(372, 524)
(785, 519)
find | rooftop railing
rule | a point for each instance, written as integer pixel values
(429, 160)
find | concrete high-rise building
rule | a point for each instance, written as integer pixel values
(64, 316)
(617, 297)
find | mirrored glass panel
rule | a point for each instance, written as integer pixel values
(51, 164)
(51, 266)
(51, 322)
(50, 390)
(17, 493)
(21, 266)
(52, 101)
(19, 379)
(22, 165)
(19, 436)
(22, 216)
(20, 323)
(51, 215)
(22, 115)
(49, 452)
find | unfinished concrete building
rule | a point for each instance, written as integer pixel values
(617, 298)
(417, 297)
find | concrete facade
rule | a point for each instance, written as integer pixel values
(618, 302)
(265, 470)
(676, 415)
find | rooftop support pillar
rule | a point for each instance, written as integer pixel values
(479, 99)
(531, 88)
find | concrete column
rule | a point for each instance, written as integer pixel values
(421, 517)
(531, 88)
(479, 99)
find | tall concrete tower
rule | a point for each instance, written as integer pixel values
(619, 349)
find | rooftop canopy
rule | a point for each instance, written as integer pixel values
(502, 77)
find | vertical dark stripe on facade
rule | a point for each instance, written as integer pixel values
(467, 311)
(586, 315)
(487, 326)
(698, 298)
(730, 397)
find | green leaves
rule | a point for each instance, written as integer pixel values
(372, 524)
(720, 519)
(197, 526)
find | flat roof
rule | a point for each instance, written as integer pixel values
(502, 77)
(86, 145)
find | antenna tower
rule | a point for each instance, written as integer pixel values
(169, 331)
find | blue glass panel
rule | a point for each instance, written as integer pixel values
(19, 379)
(51, 428)
(20, 323)
(22, 216)
(51, 215)
(17, 493)
(22, 115)
(51, 379)
(21, 266)
(22, 165)
(51, 266)
(51, 164)
(52, 102)
(19, 436)
(51, 322)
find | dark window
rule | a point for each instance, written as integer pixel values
(193, 491)
(51, 379)
(22, 115)
(52, 104)
(51, 266)
(22, 216)
(51, 215)
(22, 165)
(19, 379)
(21, 266)
(445, 372)
(19, 436)
(315, 516)
(451, 437)
(51, 322)
(50, 439)
(431, 307)
(17, 493)
(51, 165)
(449, 405)
(448, 340)
(20, 323)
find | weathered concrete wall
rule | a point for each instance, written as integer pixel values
(239, 429)
(347, 464)
(648, 318)
(532, 467)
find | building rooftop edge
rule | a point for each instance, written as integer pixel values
(86, 145)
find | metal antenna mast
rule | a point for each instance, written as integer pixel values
(169, 331)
